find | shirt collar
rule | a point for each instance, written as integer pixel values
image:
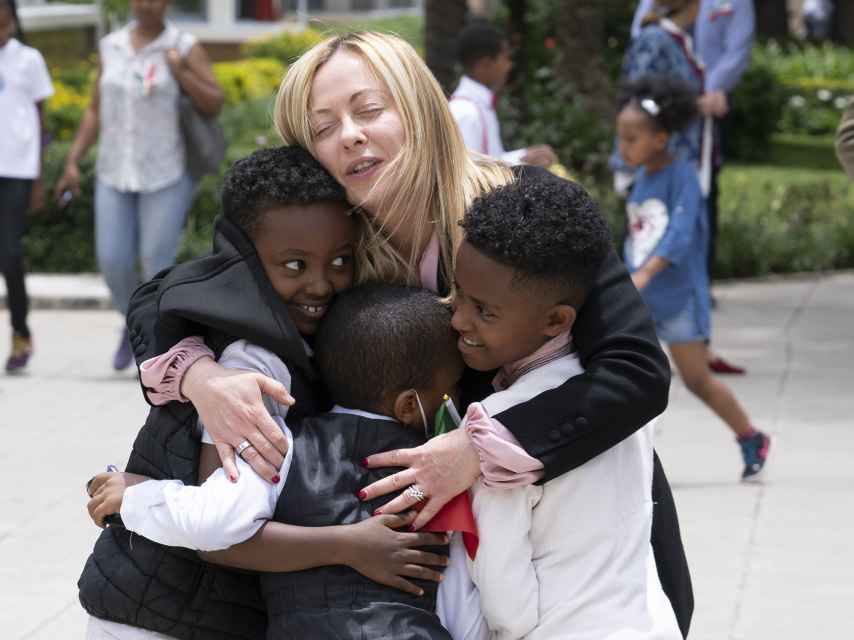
(476, 92)
(358, 412)
(555, 348)
(165, 40)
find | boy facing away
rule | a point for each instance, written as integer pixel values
(573, 555)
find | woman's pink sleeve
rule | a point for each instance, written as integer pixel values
(503, 461)
(161, 376)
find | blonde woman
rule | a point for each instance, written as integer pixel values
(369, 110)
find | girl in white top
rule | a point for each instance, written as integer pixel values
(24, 86)
(143, 190)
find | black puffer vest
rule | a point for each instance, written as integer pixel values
(132, 580)
(337, 602)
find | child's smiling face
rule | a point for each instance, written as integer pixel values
(500, 318)
(307, 252)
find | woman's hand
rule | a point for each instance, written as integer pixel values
(375, 549)
(107, 490)
(231, 408)
(70, 181)
(442, 468)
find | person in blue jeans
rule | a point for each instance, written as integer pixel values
(667, 243)
(143, 189)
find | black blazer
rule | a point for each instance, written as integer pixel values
(625, 385)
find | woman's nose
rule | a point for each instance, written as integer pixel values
(351, 133)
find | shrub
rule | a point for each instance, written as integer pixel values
(286, 46)
(249, 79)
(757, 106)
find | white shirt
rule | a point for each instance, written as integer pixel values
(141, 147)
(24, 81)
(472, 107)
(219, 514)
(573, 555)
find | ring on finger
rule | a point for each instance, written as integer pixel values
(416, 493)
(243, 446)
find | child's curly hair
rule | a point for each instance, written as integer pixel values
(277, 177)
(543, 227)
(670, 103)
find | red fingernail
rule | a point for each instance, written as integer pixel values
(232, 477)
(412, 527)
(377, 512)
(276, 479)
(362, 494)
(364, 462)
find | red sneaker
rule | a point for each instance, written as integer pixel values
(719, 365)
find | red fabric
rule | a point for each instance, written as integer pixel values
(457, 515)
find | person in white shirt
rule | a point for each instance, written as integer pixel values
(402, 336)
(24, 86)
(484, 54)
(569, 558)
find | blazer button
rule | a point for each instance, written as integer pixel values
(554, 434)
(567, 429)
(581, 422)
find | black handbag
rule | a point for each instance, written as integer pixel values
(204, 141)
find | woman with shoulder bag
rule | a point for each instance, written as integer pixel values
(143, 188)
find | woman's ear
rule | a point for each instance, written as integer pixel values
(559, 320)
(406, 408)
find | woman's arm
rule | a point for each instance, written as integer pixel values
(624, 386)
(87, 135)
(195, 75)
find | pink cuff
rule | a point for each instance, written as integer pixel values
(503, 461)
(161, 376)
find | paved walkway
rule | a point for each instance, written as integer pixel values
(769, 562)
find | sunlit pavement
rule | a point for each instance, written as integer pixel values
(771, 561)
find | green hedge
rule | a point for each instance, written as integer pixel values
(60, 241)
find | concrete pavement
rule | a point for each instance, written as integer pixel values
(772, 561)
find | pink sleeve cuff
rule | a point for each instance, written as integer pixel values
(503, 461)
(161, 376)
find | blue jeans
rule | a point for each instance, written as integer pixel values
(147, 225)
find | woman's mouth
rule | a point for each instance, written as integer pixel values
(363, 168)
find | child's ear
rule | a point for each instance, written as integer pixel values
(406, 408)
(559, 319)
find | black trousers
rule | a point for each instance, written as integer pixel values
(14, 201)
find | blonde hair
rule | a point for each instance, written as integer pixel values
(435, 177)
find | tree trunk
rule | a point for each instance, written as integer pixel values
(843, 22)
(772, 19)
(443, 21)
(517, 32)
(581, 41)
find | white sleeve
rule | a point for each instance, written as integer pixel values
(245, 356)
(215, 515)
(41, 87)
(458, 600)
(470, 121)
(514, 157)
(503, 569)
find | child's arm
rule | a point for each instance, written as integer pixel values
(106, 491)
(373, 547)
(503, 569)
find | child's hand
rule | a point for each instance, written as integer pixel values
(107, 491)
(640, 278)
(381, 553)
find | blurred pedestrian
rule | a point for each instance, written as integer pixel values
(143, 189)
(667, 243)
(484, 53)
(722, 32)
(24, 86)
(817, 18)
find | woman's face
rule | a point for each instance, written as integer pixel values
(149, 13)
(356, 126)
